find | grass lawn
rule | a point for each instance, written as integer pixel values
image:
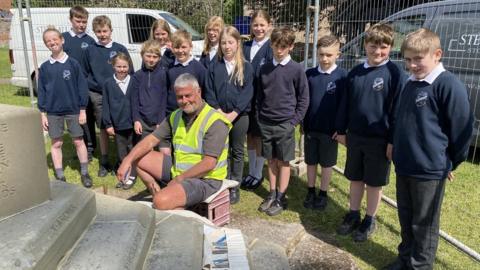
(5, 71)
(460, 215)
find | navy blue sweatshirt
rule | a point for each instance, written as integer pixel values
(149, 95)
(195, 68)
(325, 92)
(116, 110)
(75, 46)
(433, 128)
(62, 88)
(221, 92)
(367, 106)
(263, 55)
(98, 66)
(283, 93)
(167, 59)
(205, 59)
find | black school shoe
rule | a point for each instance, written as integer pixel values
(103, 169)
(234, 195)
(86, 180)
(277, 207)
(246, 181)
(129, 183)
(398, 264)
(349, 224)
(63, 179)
(364, 231)
(267, 202)
(309, 200)
(255, 183)
(320, 203)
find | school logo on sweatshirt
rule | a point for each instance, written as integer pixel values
(378, 84)
(112, 54)
(262, 62)
(84, 45)
(66, 74)
(421, 99)
(331, 87)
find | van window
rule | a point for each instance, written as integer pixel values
(139, 27)
(179, 24)
(402, 27)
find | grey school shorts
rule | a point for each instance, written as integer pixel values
(320, 149)
(96, 101)
(367, 160)
(278, 140)
(196, 190)
(56, 125)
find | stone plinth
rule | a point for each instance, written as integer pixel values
(24, 179)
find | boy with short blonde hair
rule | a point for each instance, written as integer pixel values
(282, 101)
(433, 127)
(367, 113)
(149, 90)
(326, 84)
(184, 63)
(98, 68)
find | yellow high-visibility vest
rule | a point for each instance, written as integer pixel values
(188, 145)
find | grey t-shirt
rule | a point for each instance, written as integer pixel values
(217, 132)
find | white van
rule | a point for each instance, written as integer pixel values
(131, 27)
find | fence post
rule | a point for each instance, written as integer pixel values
(25, 52)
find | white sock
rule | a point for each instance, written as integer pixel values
(259, 167)
(252, 158)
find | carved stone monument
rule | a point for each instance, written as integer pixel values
(25, 184)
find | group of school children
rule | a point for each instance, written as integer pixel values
(422, 122)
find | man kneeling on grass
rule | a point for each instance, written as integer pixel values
(198, 135)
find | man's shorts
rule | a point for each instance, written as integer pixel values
(367, 160)
(196, 190)
(96, 101)
(56, 125)
(320, 149)
(278, 140)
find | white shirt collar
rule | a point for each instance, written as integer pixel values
(328, 71)
(284, 61)
(124, 81)
(163, 49)
(259, 43)
(62, 60)
(213, 51)
(184, 63)
(122, 84)
(73, 34)
(230, 65)
(366, 65)
(430, 78)
(108, 46)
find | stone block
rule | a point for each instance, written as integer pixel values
(177, 243)
(119, 238)
(38, 238)
(298, 167)
(24, 179)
